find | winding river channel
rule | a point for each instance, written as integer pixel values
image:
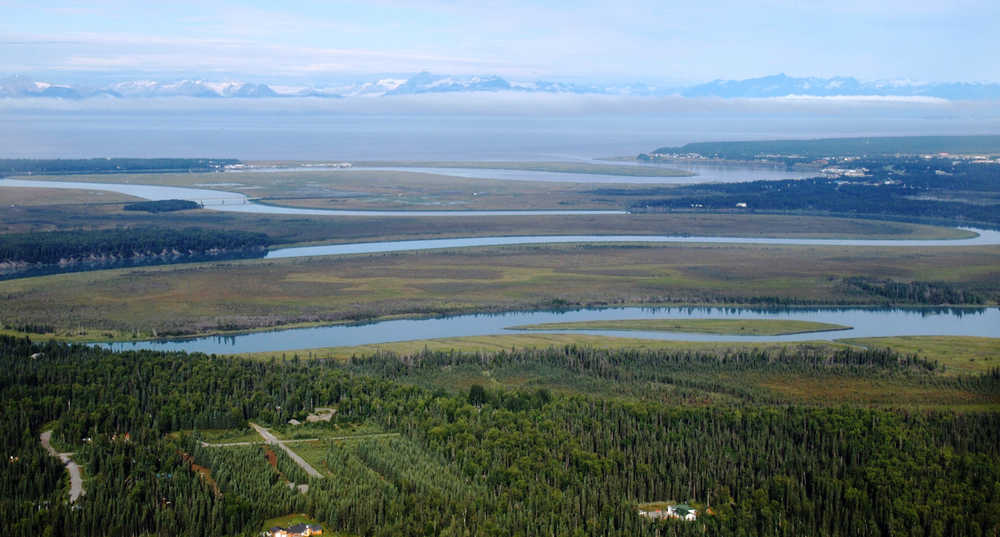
(865, 322)
(220, 200)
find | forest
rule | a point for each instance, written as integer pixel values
(480, 460)
(110, 165)
(161, 206)
(840, 147)
(927, 190)
(30, 251)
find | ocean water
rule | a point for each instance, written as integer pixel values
(441, 129)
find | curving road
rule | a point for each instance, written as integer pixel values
(75, 476)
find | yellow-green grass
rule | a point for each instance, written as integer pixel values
(242, 295)
(314, 452)
(959, 354)
(883, 392)
(494, 343)
(742, 327)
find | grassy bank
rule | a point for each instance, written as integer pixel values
(959, 355)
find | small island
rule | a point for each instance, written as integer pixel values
(739, 327)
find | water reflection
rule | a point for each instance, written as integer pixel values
(865, 322)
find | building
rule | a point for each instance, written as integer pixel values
(680, 511)
(298, 530)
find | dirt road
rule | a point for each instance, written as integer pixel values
(75, 476)
(273, 440)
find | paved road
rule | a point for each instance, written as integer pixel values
(273, 440)
(75, 476)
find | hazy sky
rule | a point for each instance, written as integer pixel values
(650, 41)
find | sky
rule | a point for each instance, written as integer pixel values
(574, 40)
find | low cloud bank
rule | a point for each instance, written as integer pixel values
(517, 103)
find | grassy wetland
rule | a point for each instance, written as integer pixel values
(242, 295)
(492, 435)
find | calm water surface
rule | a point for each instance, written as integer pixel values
(865, 322)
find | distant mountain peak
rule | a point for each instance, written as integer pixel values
(770, 86)
(782, 85)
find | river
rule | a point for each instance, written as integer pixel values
(865, 322)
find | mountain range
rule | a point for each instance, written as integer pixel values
(781, 85)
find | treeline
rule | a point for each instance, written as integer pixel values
(111, 165)
(841, 147)
(482, 462)
(66, 246)
(162, 206)
(915, 292)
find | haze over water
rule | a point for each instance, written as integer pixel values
(439, 129)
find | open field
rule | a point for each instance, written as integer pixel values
(11, 197)
(960, 355)
(243, 295)
(748, 327)
(382, 189)
(556, 167)
(886, 392)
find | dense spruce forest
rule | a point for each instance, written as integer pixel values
(110, 165)
(485, 461)
(162, 206)
(840, 147)
(30, 251)
(930, 190)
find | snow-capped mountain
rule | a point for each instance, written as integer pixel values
(429, 83)
(191, 88)
(782, 85)
(426, 83)
(22, 86)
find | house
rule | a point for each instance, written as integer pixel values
(680, 511)
(298, 530)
